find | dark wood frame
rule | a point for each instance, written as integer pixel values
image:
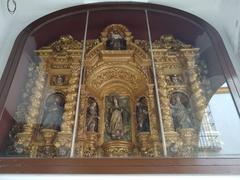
(119, 166)
(106, 165)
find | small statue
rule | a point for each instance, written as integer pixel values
(117, 118)
(142, 115)
(116, 41)
(116, 121)
(59, 80)
(175, 79)
(181, 114)
(53, 113)
(92, 117)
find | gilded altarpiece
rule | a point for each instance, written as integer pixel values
(117, 109)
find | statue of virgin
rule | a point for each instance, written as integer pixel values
(116, 121)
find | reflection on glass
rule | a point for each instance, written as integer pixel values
(220, 126)
(209, 137)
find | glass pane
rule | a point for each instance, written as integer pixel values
(220, 125)
(34, 111)
(113, 111)
(199, 115)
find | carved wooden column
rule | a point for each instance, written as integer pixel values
(63, 141)
(154, 125)
(83, 110)
(172, 138)
(20, 115)
(165, 106)
(33, 110)
(198, 98)
(85, 142)
(190, 135)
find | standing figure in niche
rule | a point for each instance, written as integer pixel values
(142, 115)
(92, 116)
(116, 121)
(180, 114)
(116, 41)
(53, 112)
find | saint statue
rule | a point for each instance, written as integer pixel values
(59, 80)
(116, 41)
(180, 114)
(117, 118)
(92, 117)
(142, 115)
(53, 113)
(116, 121)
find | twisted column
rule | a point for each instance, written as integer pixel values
(198, 98)
(81, 145)
(71, 100)
(166, 111)
(154, 125)
(33, 111)
(172, 138)
(36, 98)
(63, 140)
(190, 135)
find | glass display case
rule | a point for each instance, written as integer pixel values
(101, 87)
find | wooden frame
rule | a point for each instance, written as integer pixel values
(118, 166)
(104, 165)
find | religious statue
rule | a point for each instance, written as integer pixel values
(58, 80)
(180, 113)
(116, 41)
(116, 122)
(118, 119)
(92, 116)
(53, 112)
(142, 115)
(174, 79)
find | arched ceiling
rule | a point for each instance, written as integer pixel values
(222, 14)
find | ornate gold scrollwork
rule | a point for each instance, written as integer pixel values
(118, 149)
(123, 72)
(176, 70)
